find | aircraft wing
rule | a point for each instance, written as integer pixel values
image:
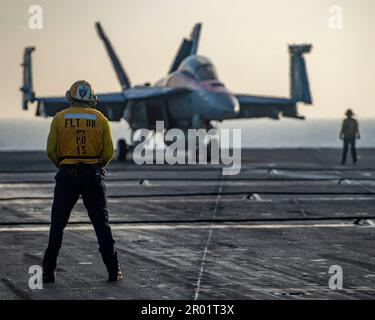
(112, 105)
(252, 106)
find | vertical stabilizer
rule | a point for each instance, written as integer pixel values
(299, 82)
(187, 48)
(27, 89)
(120, 72)
(195, 34)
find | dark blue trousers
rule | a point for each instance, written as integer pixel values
(73, 181)
(347, 142)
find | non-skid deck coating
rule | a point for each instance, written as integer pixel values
(188, 232)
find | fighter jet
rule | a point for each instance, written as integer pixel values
(189, 96)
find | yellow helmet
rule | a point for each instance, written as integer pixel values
(81, 91)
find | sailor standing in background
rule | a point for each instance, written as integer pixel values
(349, 133)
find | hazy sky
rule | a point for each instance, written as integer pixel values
(247, 41)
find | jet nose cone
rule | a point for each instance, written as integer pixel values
(236, 105)
(228, 103)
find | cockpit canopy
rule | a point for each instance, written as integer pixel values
(198, 67)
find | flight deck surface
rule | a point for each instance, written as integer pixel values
(190, 232)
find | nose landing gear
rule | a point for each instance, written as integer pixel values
(122, 150)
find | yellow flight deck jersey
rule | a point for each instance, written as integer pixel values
(80, 135)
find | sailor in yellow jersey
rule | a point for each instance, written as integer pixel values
(80, 145)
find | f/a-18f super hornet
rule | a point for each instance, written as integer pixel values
(189, 96)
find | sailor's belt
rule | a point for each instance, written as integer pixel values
(79, 157)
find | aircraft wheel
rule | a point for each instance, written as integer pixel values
(122, 150)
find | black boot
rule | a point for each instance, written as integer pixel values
(113, 267)
(49, 276)
(115, 274)
(49, 266)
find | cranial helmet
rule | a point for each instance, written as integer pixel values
(81, 91)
